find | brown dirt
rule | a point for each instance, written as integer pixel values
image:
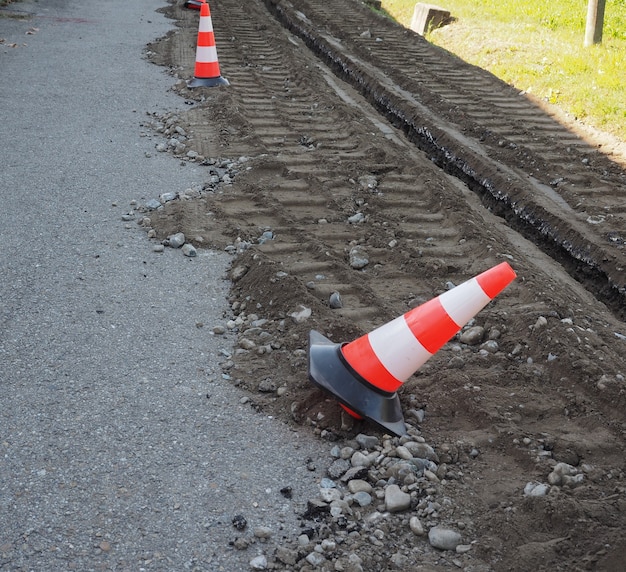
(505, 179)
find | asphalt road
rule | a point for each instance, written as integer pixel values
(121, 446)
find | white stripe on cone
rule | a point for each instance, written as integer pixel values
(464, 302)
(206, 54)
(206, 24)
(397, 348)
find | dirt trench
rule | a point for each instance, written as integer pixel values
(349, 131)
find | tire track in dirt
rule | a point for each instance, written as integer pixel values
(321, 162)
(574, 208)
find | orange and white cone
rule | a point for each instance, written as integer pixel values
(364, 375)
(207, 71)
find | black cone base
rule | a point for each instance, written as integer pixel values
(329, 371)
(207, 81)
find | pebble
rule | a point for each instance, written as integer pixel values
(315, 559)
(258, 563)
(536, 490)
(338, 468)
(416, 526)
(362, 498)
(359, 485)
(367, 441)
(167, 197)
(301, 314)
(358, 258)
(153, 204)
(335, 301)
(189, 250)
(444, 538)
(396, 500)
(473, 336)
(356, 218)
(176, 240)
(263, 532)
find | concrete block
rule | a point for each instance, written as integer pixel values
(427, 17)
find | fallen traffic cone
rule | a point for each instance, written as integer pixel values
(364, 375)
(195, 4)
(207, 72)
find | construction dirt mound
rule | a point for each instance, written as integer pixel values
(340, 221)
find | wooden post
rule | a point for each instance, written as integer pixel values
(595, 22)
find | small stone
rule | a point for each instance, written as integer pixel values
(302, 314)
(238, 272)
(158, 248)
(358, 258)
(176, 240)
(330, 495)
(246, 344)
(338, 468)
(189, 250)
(367, 441)
(258, 563)
(335, 301)
(362, 498)
(473, 336)
(359, 459)
(167, 197)
(490, 346)
(315, 559)
(153, 204)
(443, 538)
(403, 453)
(359, 485)
(354, 473)
(536, 490)
(263, 532)
(422, 451)
(396, 500)
(416, 526)
(286, 555)
(356, 218)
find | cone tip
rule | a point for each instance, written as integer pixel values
(496, 279)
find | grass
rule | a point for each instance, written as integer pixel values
(537, 46)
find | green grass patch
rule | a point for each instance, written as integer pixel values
(537, 46)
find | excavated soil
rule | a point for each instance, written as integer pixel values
(333, 110)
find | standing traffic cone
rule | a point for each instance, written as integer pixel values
(207, 73)
(365, 374)
(195, 4)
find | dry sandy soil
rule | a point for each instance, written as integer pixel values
(337, 111)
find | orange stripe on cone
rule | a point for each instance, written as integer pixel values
(207, 68)
(378, 363)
